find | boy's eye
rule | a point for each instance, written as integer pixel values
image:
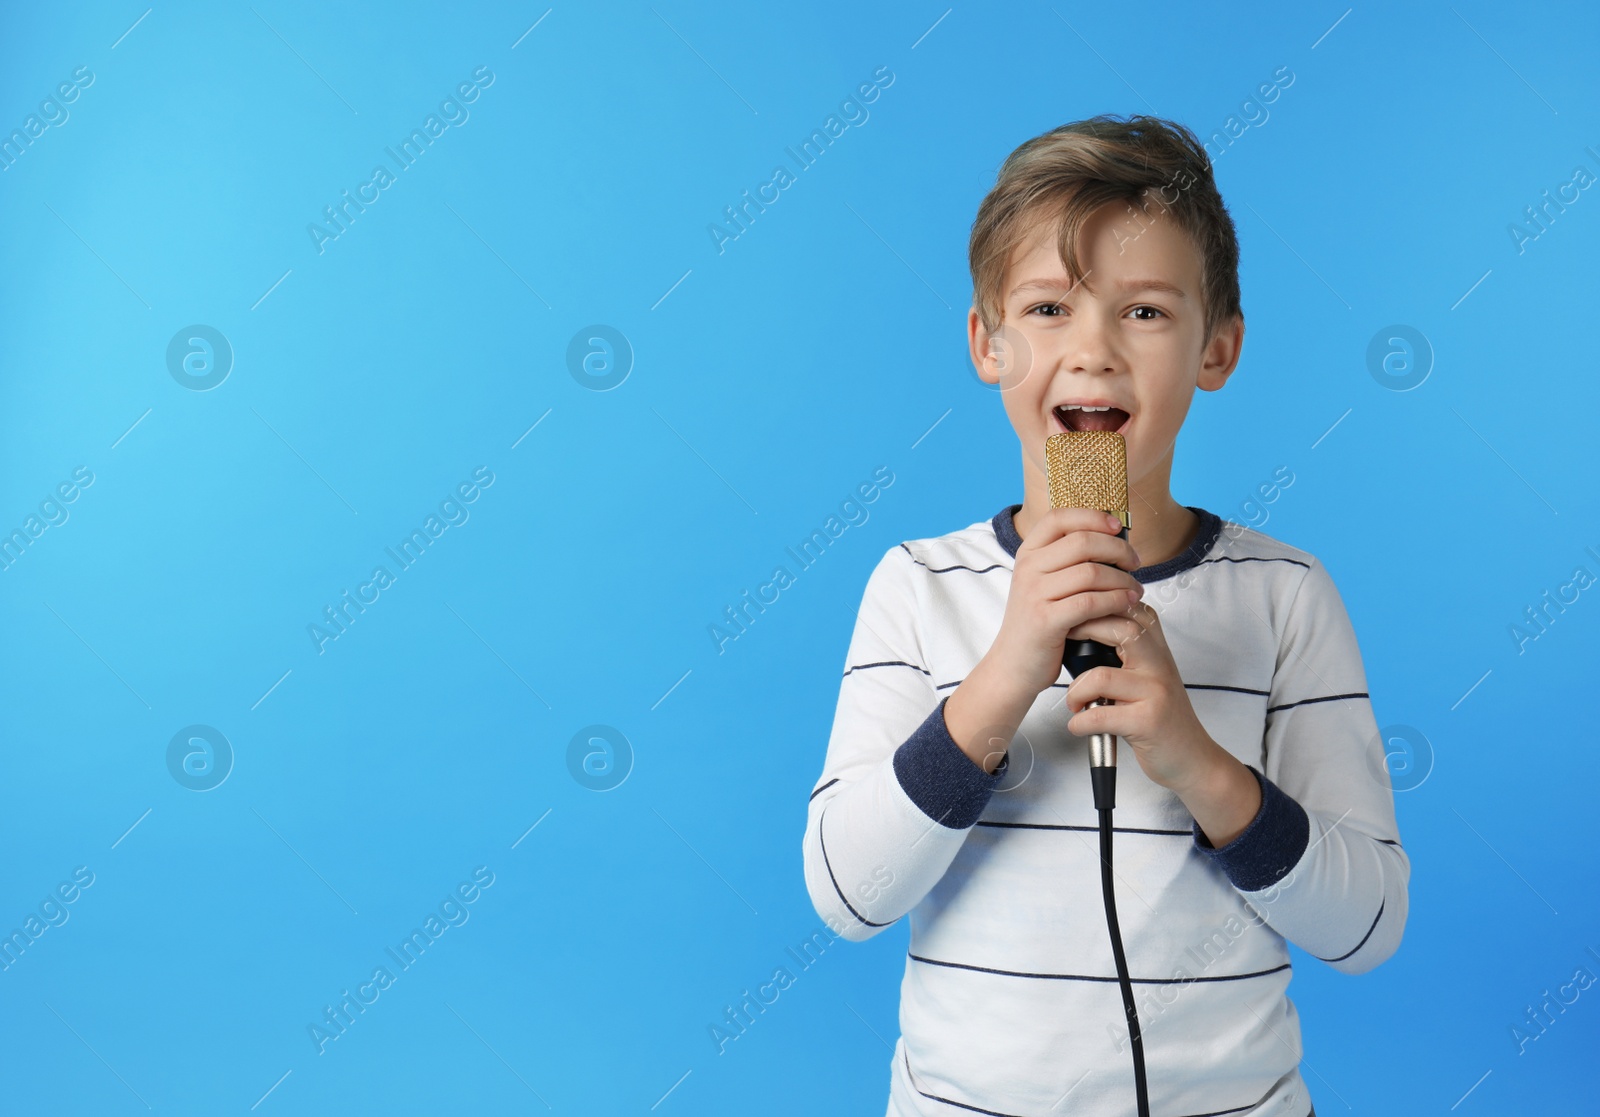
(1050, 310)
(1151, 309)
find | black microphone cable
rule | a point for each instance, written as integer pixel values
(1079, 656)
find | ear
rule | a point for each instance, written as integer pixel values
(978, 346)
(1221, 354)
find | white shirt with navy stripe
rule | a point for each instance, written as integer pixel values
(1009, 1004)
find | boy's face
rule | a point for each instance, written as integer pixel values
(1130, 336)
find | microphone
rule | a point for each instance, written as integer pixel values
(1089, 469)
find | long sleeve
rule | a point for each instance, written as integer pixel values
(897, 796)
(1321, 862)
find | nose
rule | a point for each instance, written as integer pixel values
(1088, 345)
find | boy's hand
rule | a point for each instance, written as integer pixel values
(1152, 712)
(1061, 579)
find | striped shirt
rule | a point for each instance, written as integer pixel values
(1009, 1003)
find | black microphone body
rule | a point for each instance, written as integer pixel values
(1078, 656)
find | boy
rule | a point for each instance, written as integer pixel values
(956, 789)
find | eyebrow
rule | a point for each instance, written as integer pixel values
(1124, 285)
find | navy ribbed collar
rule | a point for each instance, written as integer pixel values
(1210, 527)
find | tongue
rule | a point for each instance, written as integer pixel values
(1098, 420)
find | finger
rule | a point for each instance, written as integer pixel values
(1082, 608)
(1110, 683)
(1084, 546)
(1058, 522)
(1149, 622)
(1118, 631)
(1146, 615)
(1118, 628)
(1116, 718)
(1085, 577)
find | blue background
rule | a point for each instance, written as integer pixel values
(765, 382)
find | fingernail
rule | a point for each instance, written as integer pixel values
(1133, 597)
(1113, 522)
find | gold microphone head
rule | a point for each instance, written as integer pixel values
(1088, 469)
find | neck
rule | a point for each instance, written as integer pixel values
(1158, 527)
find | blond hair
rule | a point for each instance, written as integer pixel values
(1069, 172)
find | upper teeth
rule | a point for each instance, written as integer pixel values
(1083, 407)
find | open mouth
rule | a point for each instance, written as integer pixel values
(1084, 417)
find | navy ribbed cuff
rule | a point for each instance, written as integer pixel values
(1270, 846)
(939, 778)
